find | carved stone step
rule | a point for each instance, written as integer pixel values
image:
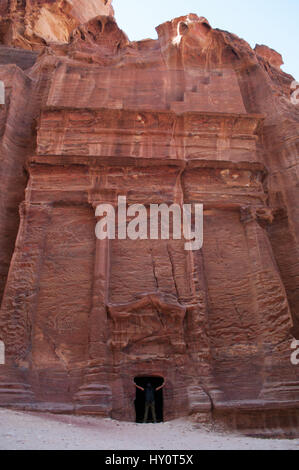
(94, 398)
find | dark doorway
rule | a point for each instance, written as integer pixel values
(140, 401)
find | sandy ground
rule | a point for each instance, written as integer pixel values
(20, 430)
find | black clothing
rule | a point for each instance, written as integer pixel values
(149, 394)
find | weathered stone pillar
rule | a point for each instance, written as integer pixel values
(98, 314)
(272, 309)
(269, 294)
(20, 300)
(95, 395)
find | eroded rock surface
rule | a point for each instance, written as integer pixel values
(30, 24)
(195, 116)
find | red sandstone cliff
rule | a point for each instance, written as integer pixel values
(32, 23)
(195, 116)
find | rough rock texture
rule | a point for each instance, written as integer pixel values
(16, 146)
(269, 55)
(195, 116)
(31, 24)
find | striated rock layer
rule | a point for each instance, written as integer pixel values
(196, 116)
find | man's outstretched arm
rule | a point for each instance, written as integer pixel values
(137, 386)
(161, 386)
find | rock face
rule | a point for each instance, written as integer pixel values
(196, 116)
(30, 24)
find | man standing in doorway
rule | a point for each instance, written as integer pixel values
(150, 400)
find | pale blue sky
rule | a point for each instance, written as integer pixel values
(274, 23)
